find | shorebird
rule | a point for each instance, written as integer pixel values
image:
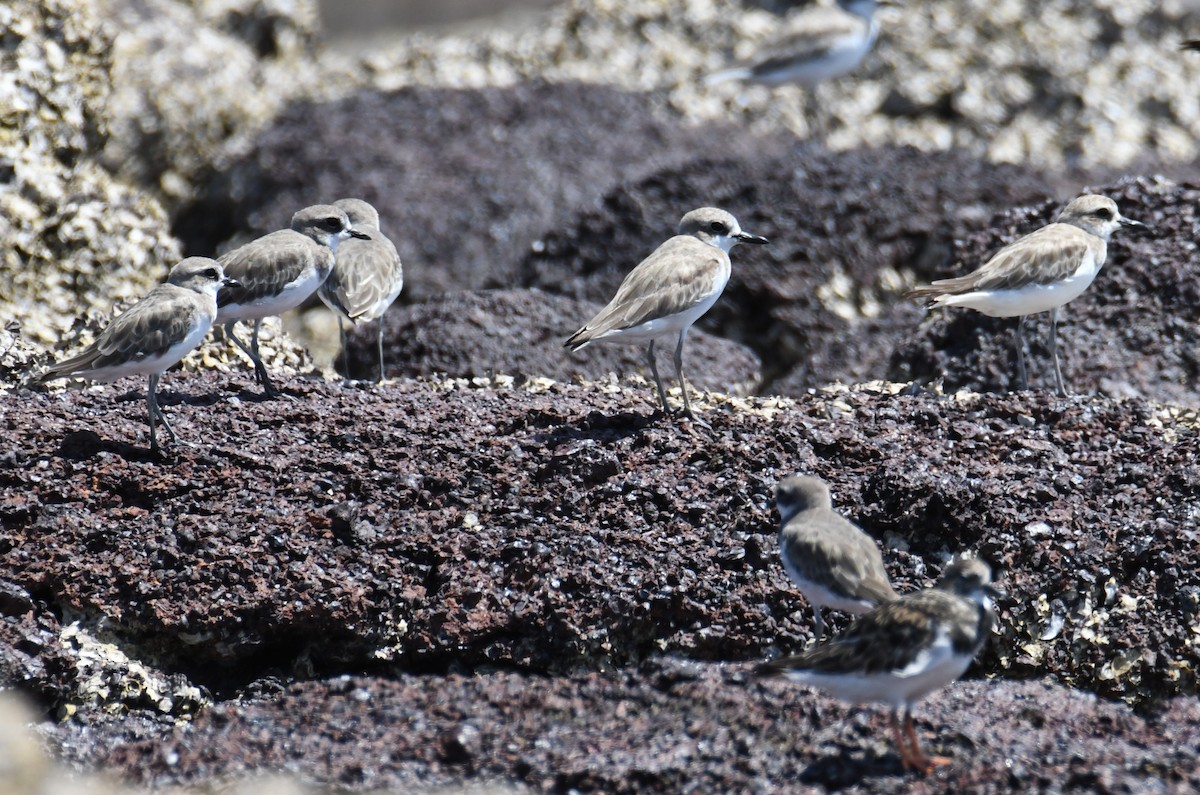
(153, 334)
(1038, 273)
(669, 290)
(277, 272)
(903, 650)
(832, 561)
(818, 44)
(367, 277)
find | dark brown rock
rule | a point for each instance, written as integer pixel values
(521, 333)
(422, 531)
(669, 726)
(824, 301)
(1133, 332)
(465, 180)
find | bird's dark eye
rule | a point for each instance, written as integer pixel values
(211, 273)
(333, 224)
(1103, 214)
(718, 227)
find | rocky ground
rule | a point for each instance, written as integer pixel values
(438, 582)
(504, 570)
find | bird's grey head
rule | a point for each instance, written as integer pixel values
(969, 577)
(717, 228)
(860, 8)
(801, 493)
(199, 274)
(359, 212)
(325, 224)
(1095, 214)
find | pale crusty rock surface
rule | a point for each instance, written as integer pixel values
(74, 241)
(1052, 84)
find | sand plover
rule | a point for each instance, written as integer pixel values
(367, 277)
(832, 561)
(1038, 273)
(903, 650)
(669, 290)
(277, 272)
(818, 44)
(153, 334)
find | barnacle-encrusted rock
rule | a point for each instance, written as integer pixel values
(74, 241)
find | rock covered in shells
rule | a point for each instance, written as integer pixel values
(1059, 84)
(74, 241)
(189, 79)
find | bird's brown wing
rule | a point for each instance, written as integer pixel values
(263, 266)
(677, 276)
(367, 271)
(834, 553)
(1047, 255)
(149, 328)
(888, 638)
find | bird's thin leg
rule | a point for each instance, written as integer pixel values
(151, 405)
(155, 412)
(813, 115)
(1058, 379)
(820, 629)
(687, 406)
(259, 368)
(345, 352)
(379, 345)
(917, 759)
(662, 393)
(901, 748)
(1022, 381)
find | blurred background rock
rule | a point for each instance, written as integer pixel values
(125, 121)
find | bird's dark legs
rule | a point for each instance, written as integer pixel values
(687, 406)
(155, 412)
(1022, 381)
(662, 393)
(260, 369)
(820, 630)
(379, 345)
(345, 353)
(1058, 379)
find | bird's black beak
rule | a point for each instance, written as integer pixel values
(1129, 222)
(993, 591)
(1190, 44)
(746, 237)
(223, 297)
(359, 235)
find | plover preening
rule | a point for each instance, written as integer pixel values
(903, 650)
(817, 44)
(1038, 273)
(153, 334)
(277, 272)
(833, 562)
(669, 290)
(367, 277)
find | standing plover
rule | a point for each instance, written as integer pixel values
(1039, 272)
(903, 650)
(367, 277)
(278, 271)
(669, 290)
(832, 561)
(153, 334)
(818, 44)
